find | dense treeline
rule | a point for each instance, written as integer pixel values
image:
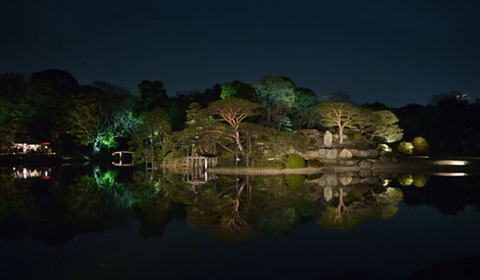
(234, 118)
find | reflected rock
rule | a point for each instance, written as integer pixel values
(365, 164)
(328, 180)
(363, 173)
(328, 193)
(350, 162)
(344, 180)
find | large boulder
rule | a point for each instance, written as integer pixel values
(370, 153)
(345, 154)
(328, 139)
(331, 154)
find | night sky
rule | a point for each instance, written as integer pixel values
(396, 52)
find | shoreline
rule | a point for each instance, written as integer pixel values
(401, 167)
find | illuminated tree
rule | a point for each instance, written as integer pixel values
(152, 135)
(152, 95)
(379, 124)
(387, 127)
(239, 90)
(273, 89)
(305, 100)
(232, 111)
(9, 132)
(337, 114)
(97, 119)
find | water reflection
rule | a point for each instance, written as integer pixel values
(227, 208)
(25, 173)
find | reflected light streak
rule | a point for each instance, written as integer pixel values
(451, 174)
(451, 162)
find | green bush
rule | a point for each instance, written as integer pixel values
(357, 136)
(295, 161)
(295, 180)
(420, 146)
(405, 148)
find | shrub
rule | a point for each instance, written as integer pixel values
(420, 146)
(295, 161)
(405, 148)
(420, 181)
(357, 136)
(405, 179)
(295, 180)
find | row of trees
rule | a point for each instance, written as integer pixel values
(233, 117)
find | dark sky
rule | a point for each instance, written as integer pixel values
(396, 52)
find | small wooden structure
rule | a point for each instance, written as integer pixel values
(201, 161)
(125, 158)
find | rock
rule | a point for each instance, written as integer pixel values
(345, 180)
(370, 180)
(365, 163)
(372, 153)
(327, 139)
(328, 169)
(327, 193)
(363, 173)
(350, 162)
(345, 154)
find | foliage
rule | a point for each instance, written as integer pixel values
(97, 119)
(294, 161)
(337, 114)
(152, 95)
(420, 181)
(295, 180)
(11, 132)
(405, 148)
(232, 111)
(285, 125)
(152, 136)
(239, 90)
(387, 127)
(420, 146)
(272, 90)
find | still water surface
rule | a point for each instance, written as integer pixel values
(94, 223)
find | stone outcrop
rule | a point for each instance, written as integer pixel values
(320, 154)
(327, 139)
(365, 164)
(345, 154)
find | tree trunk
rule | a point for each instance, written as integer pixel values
(340, 134)
(96, 147)
(238, 142)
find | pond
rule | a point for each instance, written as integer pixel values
(87, 222)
